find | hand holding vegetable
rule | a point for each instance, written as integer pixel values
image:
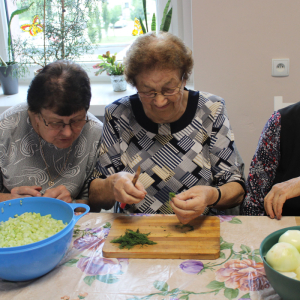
(192, 203)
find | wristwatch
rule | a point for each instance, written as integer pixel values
(219, 198)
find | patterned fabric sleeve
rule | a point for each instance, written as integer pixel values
(263, 167)
(226, 166)
(108, 164)
(95, 127)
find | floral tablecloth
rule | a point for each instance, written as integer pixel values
(85, 274)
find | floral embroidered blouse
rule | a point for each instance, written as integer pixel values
(263, 167)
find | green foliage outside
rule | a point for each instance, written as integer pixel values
(138, 10)
(105, 17)
(115, 14)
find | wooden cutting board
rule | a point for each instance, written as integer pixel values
(172, 242)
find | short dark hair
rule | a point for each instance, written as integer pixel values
(62, 86)
(163, 50)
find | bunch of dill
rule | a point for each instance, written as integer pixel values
(132, 238)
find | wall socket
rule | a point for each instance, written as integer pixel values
(280, 67)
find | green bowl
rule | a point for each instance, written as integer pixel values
(287, 288)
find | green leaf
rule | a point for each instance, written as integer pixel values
(145, 14)
(89, 280)
(161, 285)
(153, 23)
(185, 297)
(164, 15)
(257, 259)
(231, 293)
(168, 19)
(108, 278)
(256, 252)
(221, 240)
(235, 221)
(71, 262)
(175, 291)
(15, 13)
(226, 246)
(246, 248)
(216, 285)
(237, 256)
(222, 255)
(142, 25)
(246, 296)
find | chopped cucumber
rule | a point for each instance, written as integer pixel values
(28, 228)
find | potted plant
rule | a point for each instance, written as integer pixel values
(140, 28)
(114, 69)
(11, 70)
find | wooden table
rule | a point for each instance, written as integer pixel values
(85, 274)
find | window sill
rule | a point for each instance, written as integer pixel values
(102, 95)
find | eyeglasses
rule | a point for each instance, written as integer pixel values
(74, 125)
(167, 92)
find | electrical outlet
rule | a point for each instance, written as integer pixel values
(280, 67)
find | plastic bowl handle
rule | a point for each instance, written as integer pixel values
(76, 205)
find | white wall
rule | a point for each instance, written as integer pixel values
(234, 42)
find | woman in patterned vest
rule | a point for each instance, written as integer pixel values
(180, 138)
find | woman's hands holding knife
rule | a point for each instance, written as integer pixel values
(127, 188)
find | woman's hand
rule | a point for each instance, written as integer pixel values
(192, 203)
(277, 196)
(26, 191)
(124, 191)
(60, 193)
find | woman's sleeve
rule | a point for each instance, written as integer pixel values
(94, 140)
(227, 165)
(263, 167)
(109, 157)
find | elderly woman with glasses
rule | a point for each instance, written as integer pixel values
(48, 145)
(181, 139)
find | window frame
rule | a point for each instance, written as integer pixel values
(181, 26)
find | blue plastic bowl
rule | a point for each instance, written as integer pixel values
(34, 260)
(287, 288)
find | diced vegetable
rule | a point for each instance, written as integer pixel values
(28, 228)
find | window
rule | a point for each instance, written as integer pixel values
(92, 27)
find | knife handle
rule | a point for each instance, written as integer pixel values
(135, 178)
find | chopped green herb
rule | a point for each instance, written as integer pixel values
(107, 225)
(171, 195)
(168, 204)
(183, 226)
(9, 204)
(132, 238)
(21, 202)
